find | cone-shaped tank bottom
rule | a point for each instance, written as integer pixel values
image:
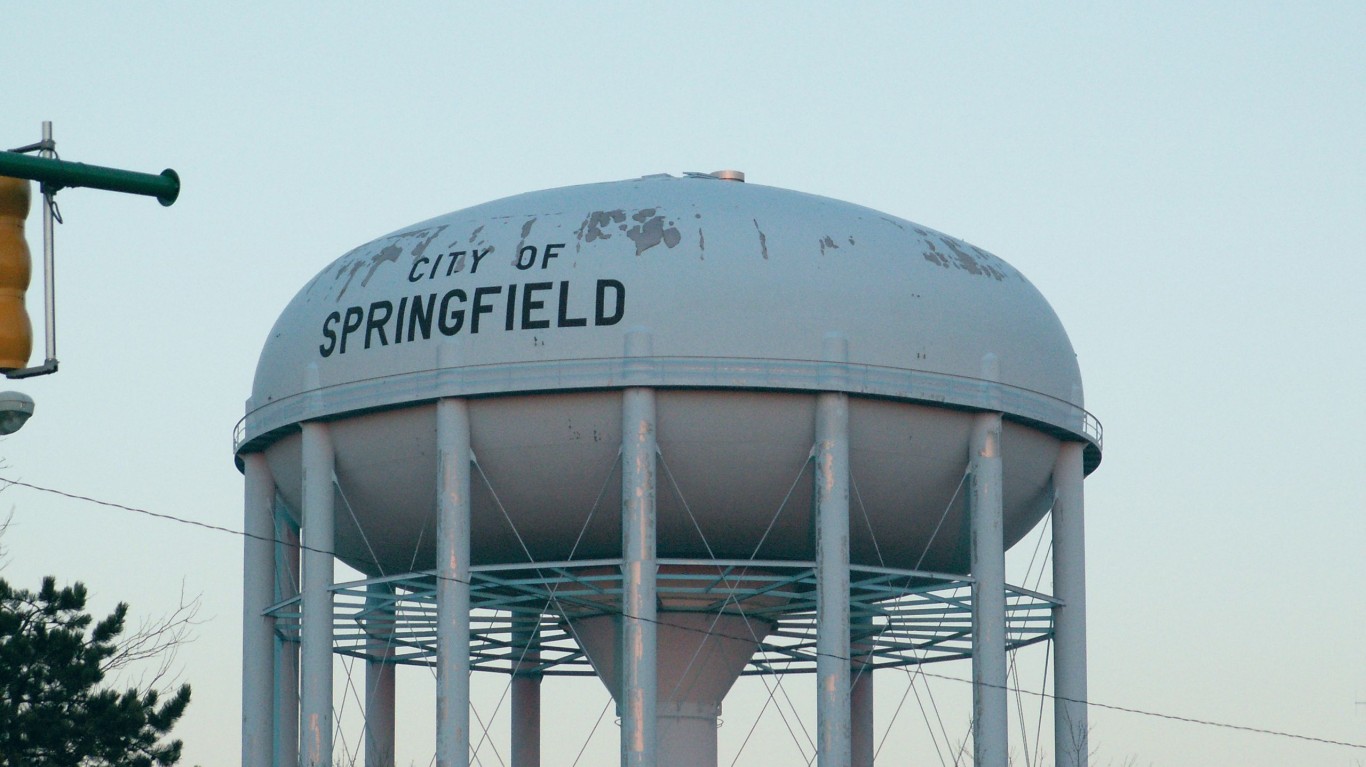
(700, 657)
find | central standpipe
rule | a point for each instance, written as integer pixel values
(453, 583)
(862, 737)
(380, 692)
(526, 693)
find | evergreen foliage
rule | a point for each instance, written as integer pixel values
(53, 710)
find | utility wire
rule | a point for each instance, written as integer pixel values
(622, 613)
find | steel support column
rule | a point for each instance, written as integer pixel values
(526, 693)
(861, 718)
(379, 677)
(833, 727)
(453, 583)
(287, 580)
(861, 723)
(258, 630)
(639, 649)
(988, 593)
(316, 640)
(1070, 727)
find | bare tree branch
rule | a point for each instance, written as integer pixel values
(160, 639)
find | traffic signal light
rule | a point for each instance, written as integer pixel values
(16, 333)
(17, 168)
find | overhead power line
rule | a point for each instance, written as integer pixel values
(945, 677)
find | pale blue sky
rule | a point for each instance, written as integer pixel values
(1185, 183)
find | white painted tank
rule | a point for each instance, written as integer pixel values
(737, 301)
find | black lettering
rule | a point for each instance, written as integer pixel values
(457, 263)
(350, 324)
(602, 318)
(550, 253)
(511, 318)
(421, 317)
(565, 320)
(479, 308)
(398, 326)
(331, 336)
(372, 324)
(530, 259)
(530, 304)
(413, 276)
(435, 265)
(456, 316)
(479, 256)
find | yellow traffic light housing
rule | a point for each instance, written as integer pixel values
(16, 266)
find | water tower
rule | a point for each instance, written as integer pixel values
(667, 431)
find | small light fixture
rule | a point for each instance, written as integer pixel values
(15, 409)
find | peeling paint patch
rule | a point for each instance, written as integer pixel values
(342, 263)
(388, 254)
(421, 247)
(651, 230)
(964, 257)
(526, 231)
(828, 243)
(701, 244)
(934, 256)
(350, 275)
(592, 226)
(763, 240)
(476, 232)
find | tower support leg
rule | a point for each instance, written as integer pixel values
(287, 580)
(834, 744)
(379, 677)
(639, 648)
(861, 717)
(258, 630)
(316, 650)
(1070, 727)
(988, 593)
(526, 694)
(453, 584)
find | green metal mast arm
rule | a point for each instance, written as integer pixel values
(58, 174)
